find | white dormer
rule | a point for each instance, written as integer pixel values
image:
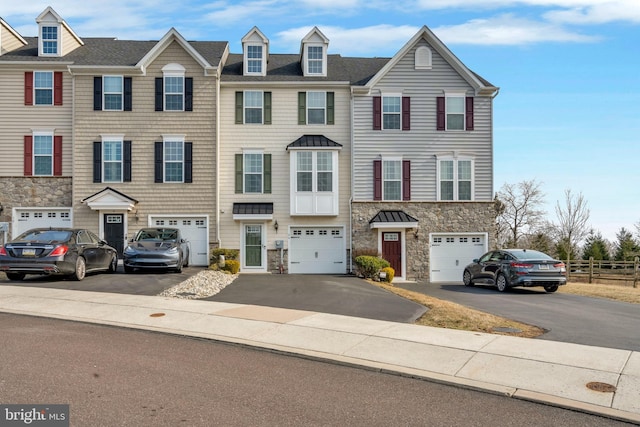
(313, 52)
(55, 37)
(255, 48)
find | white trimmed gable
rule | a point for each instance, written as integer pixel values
(55, 37)
(255, 53)
(313, 53)
(9, 38)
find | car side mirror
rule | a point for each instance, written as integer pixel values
(476, 260)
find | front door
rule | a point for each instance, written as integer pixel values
(392, 250)
(114, 231)
(253, 247)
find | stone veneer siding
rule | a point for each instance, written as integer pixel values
(433, 217)
(34, 191)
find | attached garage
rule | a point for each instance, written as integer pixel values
(28, 218)
(317, 250)
(451, 252)
(195, 229)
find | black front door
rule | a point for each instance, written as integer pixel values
(114, 231)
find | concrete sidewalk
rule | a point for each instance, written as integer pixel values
(536, 370)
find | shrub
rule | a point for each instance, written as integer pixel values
(370, 266)
(232, 266)
(365, 251)
(389, 272)
(228, 254)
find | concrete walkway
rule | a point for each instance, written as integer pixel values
(541, 371)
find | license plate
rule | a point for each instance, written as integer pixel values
(543, 266)
(28, 252)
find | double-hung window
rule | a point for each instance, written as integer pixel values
(316, 108)
(455, 179)
(455, 112)
(318, 178)
(253, 170)
(315, 58)
(391, 112)
(254, 59)
(43, 87)
(253, 107)
(314, 185)
(173, 161)
(174, 93)
(49, 40)
(43, 154)
(392, 179)
(112, 156)
(113, 93)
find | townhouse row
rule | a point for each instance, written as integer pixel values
(299, 161)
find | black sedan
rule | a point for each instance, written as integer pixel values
(57, 251)
(508, 268)
(156, 248)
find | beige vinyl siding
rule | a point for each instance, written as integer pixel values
(273, 139)
(8, 41)
(143, 127)
(19, 120)
(69, 42)
(423, 141)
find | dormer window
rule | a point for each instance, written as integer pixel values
(254, 59)
(256, 50)
(49, 43)
(314, 60)
(314, 54)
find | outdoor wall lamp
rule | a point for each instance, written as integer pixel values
(275, 225)
(1, 208)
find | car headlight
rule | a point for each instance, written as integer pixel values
(172, 250)
(129, 250)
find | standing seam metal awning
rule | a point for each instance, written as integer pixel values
(393, 219)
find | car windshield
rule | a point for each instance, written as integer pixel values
(525, 254)
(155, 234)
(45, 236)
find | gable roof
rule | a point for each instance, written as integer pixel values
(50, 12)
(13, 32)
(481, 85)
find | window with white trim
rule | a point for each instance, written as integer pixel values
(314, 182)
(43, 87)
(253, 169)
(112, 156)
(254, 59)
(392, 179)
(315, 58)
(455, 108)
(49, 40)
(43, 154)
(113, 92)
(253, 106)
(173, 93)
(173, 160)
(314, 171)
(455, 179)
(316, 108)
(391, 112)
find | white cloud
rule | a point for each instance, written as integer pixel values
(507, 30)
(371, 40)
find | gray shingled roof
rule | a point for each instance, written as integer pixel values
(313, 141)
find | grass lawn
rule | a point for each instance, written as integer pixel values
(445, 314)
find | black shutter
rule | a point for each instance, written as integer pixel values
(158, 161)
(128, 94)
(188, 162)
(188, 94)
(239, 108)
(126, 161)
(97, 161)
(159, 94)
(97, 93)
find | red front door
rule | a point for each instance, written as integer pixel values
(392, 250)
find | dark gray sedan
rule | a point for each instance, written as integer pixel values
(508, 268)
(156, 248)
(57, 251)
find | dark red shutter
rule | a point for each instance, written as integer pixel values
(377, 112)
(469, 111)
(28, 155)
(377, 180)
(57, 155)
(406, 113)
(57, 88)
(28, 88)
(441, 115)
(406, 180)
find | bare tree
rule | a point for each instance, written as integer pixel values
(572, 221)
(521, 213)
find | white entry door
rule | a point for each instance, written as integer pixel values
(254, 253)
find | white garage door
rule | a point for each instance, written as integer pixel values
(28, 218)
(450, 253)
(195, 230)
(317, 250)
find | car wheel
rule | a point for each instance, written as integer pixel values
(501, 282)
(551, 288)
(179, 267)
(15, 276)
(81, 269)
(466, 278)
(113, 265)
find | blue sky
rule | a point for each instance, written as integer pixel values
(568, 112)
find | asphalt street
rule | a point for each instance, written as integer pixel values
(114, 376)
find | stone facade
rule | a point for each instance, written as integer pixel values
(35, 191)
(433, 217)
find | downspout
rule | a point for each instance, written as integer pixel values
(352, 188)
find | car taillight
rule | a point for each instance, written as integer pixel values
(3, 251)
(521, 265)
(559, 265)
(59, 250)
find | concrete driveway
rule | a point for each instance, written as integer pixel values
(345, 295)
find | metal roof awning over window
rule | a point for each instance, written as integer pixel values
(314, 141)
(393, 219)
(263, 211)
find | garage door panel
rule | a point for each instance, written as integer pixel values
(195, 230)
(41, 218)
(318, 250)
(450, 253)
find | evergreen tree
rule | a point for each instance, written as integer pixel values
(626, 246)
(595, 246)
